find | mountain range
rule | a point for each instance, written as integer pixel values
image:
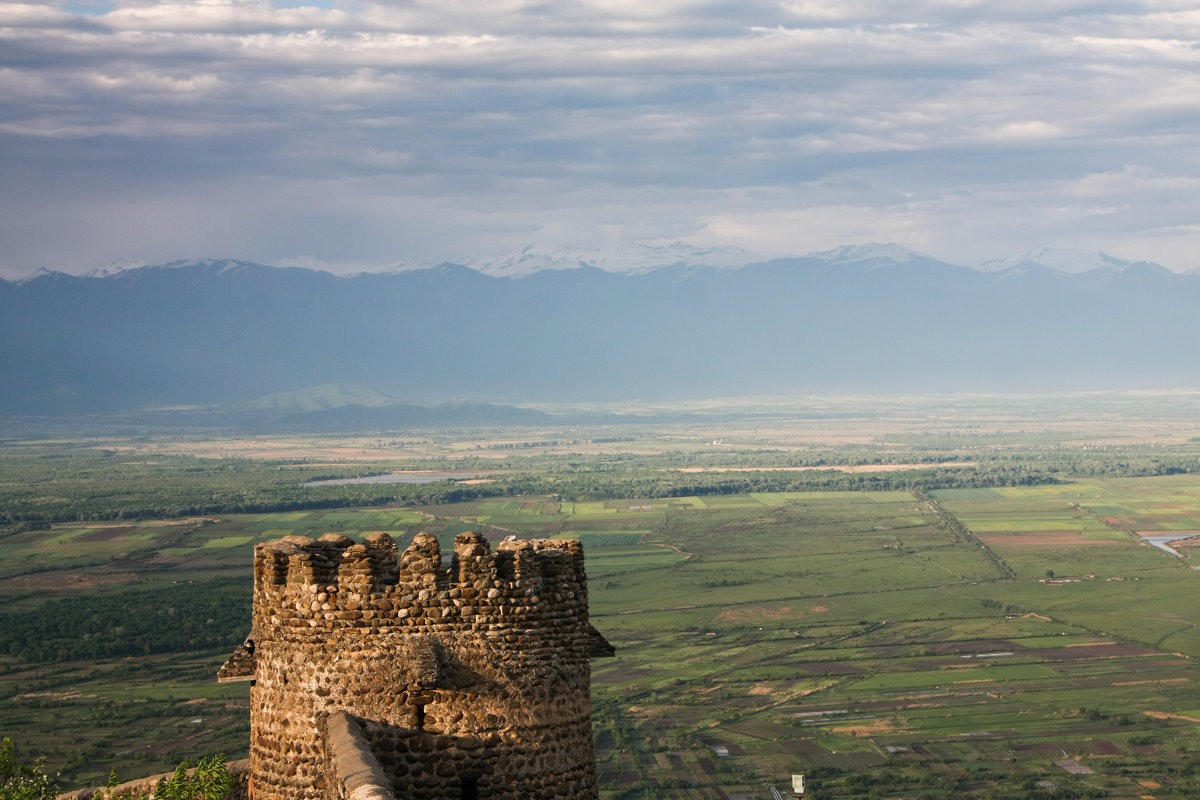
(556, 326)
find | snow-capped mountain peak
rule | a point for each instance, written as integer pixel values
(630, 257)
(873, 251)
(1070, 262)
(117, 266)
(405, 266)
(42, 273)
(217, 265)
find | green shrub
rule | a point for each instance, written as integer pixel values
(22, 781)
(209, 781)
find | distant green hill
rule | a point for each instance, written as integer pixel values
(321, 398)
(331, 407)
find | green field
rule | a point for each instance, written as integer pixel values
(925, 642)
(836, 634)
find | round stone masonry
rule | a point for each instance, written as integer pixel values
(467, 681)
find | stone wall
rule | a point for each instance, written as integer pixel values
(353, 772)
(467, 681)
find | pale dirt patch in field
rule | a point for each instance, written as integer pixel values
(737, 615)
(300, 448)
(1093, 651)
(1186, 544)
(1165, 715)
(26, 584)
(1039, 539)
(829, 467)
(75, 580)
(816, 689)
(873, 728)
(348, 452)
(1181, 543)
(761, 688)
(59, 695)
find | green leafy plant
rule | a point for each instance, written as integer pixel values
(23, 781)
(209, 781)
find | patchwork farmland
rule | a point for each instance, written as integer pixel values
(974, 642)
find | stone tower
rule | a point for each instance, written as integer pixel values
(461, 682)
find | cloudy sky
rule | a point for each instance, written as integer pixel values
(352, 135)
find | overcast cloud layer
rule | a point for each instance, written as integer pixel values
(354, 135)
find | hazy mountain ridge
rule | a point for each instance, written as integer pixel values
(338, 406)
(631, 257)
(1071, 262)
(325, 397)
(638, 258)
(876, 318)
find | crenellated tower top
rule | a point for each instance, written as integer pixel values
(466, 677)
(331, 582)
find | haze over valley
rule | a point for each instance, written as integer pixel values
(878, 318)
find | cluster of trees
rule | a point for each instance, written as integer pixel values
(87, 485)
(135, 622)
(68, 484)
(658, 483)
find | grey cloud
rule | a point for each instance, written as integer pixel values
(341, 133)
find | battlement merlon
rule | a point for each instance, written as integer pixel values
(323, 581)
(297, 562)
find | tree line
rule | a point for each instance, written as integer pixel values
(83, 484)
(174, 618)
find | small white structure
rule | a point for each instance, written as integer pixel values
(798, 786)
